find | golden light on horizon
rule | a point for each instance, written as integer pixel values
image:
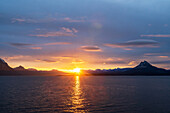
(77, 70)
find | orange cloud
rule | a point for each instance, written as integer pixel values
(36, 48)
(78, 62)
(163, 56)
(132, 63)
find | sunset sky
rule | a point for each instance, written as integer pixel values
(88, 34)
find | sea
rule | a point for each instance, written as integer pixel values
(85, 94)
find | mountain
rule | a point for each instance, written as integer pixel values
(31, 69)
(5, 69)
(20, 68)
(145, 68)
(144, 65)
(4, 66)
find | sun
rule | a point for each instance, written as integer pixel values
(77, 70)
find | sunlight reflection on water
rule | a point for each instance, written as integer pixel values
(79, 94)
(77, 98)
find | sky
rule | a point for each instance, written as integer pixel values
(89, 34)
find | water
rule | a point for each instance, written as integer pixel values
(98, 94)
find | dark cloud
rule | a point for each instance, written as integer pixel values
(161, 62)
(111, 62)
(47, 60)
(135, 43)
(44, 44)
(90, 48)
(115, 62)
(20, 44)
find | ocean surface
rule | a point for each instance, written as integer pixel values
(97, 94)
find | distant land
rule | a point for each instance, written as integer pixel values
(144, 68)
(5, 69)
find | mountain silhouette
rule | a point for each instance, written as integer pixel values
(5, 69)
(4, 66)
(143, 65)
(20, 68)
(144, 68)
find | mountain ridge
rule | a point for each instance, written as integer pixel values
(5, 69)
(4, 66)
(144, 68)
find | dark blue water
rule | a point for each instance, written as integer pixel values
(98, 94)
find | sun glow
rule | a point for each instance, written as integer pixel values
(77, 70)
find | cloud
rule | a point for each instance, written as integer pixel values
(134, 43)
(28, 20)
(74, 20)
(17, 20)
(158, 35)
(67, 30)
(63, 57)
(115, 62)
(163, 56)
(161, 62)
(160, 55)
(36, 48)
(78, 62)
(57, 43)
(17, 57)
(55, 34)
(47, 60)
(91, 48)
(132, 63)
(73, 30)
(20, 44)
(48, 20)
(151, 54)
(110, 62)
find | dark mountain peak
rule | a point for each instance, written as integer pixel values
(20, 68)
(144, 64)
(2, 61)
(31, 69)
(4, 66)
